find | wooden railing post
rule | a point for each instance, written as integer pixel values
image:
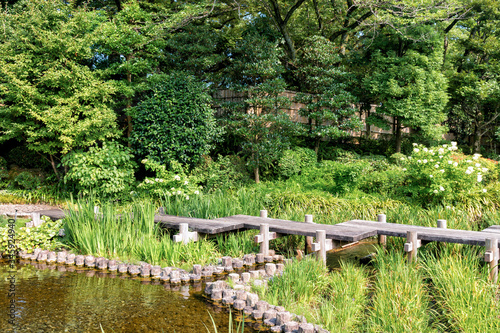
(264, 237)
(491, 255)
(441, 224)
(309, 239)
(263, 213)
(411, 245)
(35, 217)
(321, 239)
(185, 235)
(382, 238)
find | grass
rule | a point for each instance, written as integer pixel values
(400, 302)
(468, 302)
(130, 236)
(336, 300)
(343, 307)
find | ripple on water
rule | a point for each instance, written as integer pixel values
(51, 300)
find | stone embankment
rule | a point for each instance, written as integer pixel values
(228, 283)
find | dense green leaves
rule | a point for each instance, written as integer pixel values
(175, 122)
(106, 170)
(49, 97)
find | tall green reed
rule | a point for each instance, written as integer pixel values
(342, 309)
(132, 235)
(401, 302)
(467, 301)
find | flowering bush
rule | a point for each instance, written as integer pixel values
(442, 174)
(172, 182)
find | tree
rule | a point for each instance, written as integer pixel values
(474, 107)
(259, 120)
(329, 106)
(175, 122)
(49, 96)
(405, 79)
(135, 43)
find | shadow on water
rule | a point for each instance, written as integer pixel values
(351, 253)
(58, 300)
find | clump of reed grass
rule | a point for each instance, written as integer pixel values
(237, 244)
(301, 284)
(400, 301)
(467, 301)
(132, 235)
(342, 308)
(336, 301)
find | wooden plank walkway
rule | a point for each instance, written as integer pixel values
(173, 222)
(335, 232)
(350, 231)
(203, 226)
(427, 233)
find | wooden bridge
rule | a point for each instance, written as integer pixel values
(328, 237)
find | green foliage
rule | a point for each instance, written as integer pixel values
(3, 169)
(387, 182)
(236, 245)
(338, 154)
(300, 284)
(130, 236)
(468, 302)
(172, 182)
(400, 303)
(343, 308)
(334, 176)
(27, 180)
(441, 175)
(106, 170)
(27, 239)
(175, 122)
(294, 160)
(329, 105)
(259, 120)
(50, 98)
(407, 81)
(226, 172)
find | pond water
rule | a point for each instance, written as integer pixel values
(350, 253)
(56, 300)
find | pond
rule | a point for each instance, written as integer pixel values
(56, 300)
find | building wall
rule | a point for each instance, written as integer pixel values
(224, 96)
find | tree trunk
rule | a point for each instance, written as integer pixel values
(476, 143)
(398, 134)
(129, 105)
(256, 174)
(53, 163)
(316, 146)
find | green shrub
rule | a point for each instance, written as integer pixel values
(378, 162)
(227, 172)
(173, 182)
(335, 177)
(337, 154)
(27, 180)
(175, 122)
(384, 182)
(294, 160)
(104, 171)
(443, 175)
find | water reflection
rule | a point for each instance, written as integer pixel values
(58, 299)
